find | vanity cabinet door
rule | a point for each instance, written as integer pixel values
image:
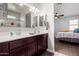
(28, 40)
(31, 46)
(32, 49)
(42, 43)
(15, 44)
(23, 47)
(45, 41)
(4, 49)
(20, 51)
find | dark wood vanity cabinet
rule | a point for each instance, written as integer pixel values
(20, 51)
(31, 46)
(45, 41)
(23, 47)
(4, 50)
(32, 49)
(42, 43)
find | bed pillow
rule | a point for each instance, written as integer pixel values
(76, 30)
(64, 30)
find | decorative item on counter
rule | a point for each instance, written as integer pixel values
(12, 23)
(33, 26)
(46, 24)
(1, 24)
(14, 33)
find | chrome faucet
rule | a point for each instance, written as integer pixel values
(11, 33)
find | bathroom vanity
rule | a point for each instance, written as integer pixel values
(19, 20)
(33, 45)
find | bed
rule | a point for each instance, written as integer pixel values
(68, 36)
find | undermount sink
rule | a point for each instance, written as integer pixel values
(31, 33)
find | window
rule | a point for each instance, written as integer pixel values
(73, 24)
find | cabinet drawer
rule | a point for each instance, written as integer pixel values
(28, 40)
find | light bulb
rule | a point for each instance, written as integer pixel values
(56, 17)
(21, 4)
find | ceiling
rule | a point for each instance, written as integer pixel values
(25, 8)
(68, 9)
(37, 5)
(18, 8)
(22, 9)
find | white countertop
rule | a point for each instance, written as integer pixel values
(10, 38)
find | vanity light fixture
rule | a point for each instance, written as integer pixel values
(42, 14)
(36, 10)
(11, 17)
(33, 9)
(21, 4)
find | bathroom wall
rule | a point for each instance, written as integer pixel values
(48, 9)
(5, 31)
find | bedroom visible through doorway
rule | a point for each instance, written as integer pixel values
(66, 33)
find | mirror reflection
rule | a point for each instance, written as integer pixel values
(20, 15)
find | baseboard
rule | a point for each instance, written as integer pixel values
(50, 50)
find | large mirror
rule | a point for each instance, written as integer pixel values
(20, 15)
(13, 14)
(16, 15)
(3, 14)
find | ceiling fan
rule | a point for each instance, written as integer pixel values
(58, 13)
(57, 16)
